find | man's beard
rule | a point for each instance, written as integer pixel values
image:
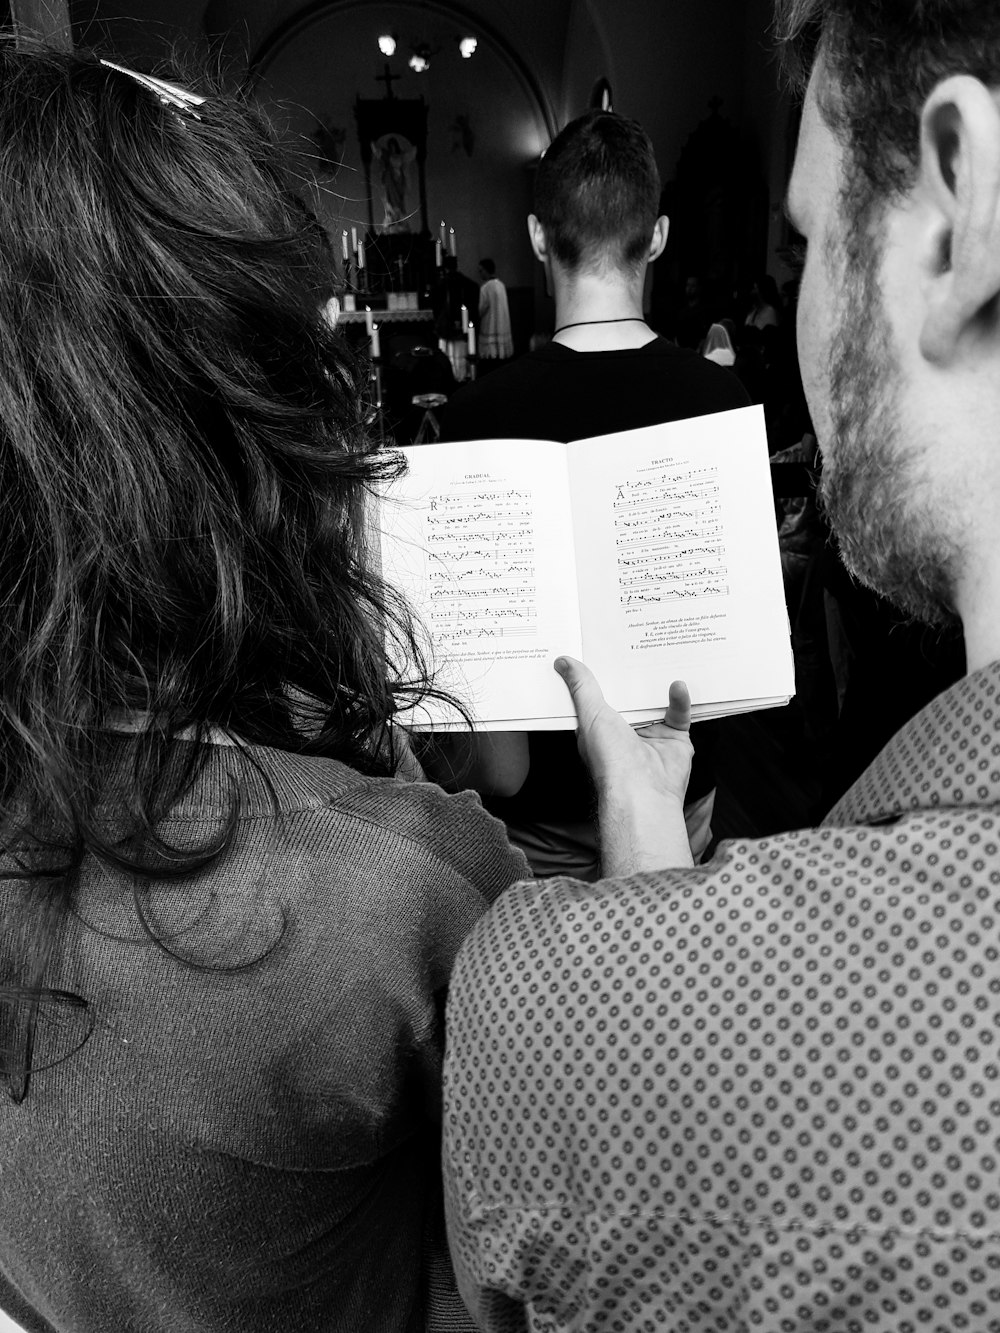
(878, 503)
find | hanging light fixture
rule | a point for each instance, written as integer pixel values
(420, 61)
(387, 44)
(467, 46)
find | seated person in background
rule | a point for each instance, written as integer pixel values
(228, 923)
(765, 304)
(717, 346)
(595, 229)
(763, 1093)
(693, 318)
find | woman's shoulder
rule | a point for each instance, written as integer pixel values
(321, 802)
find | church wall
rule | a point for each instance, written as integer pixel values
(769, 106)
(670, 59)
(587, 59)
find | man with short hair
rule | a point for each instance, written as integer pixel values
(764, 1093)
(596, 230)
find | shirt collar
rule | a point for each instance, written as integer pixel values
(945, 757)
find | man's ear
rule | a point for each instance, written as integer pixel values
(960, 185)
(536, 234)
(661, 229)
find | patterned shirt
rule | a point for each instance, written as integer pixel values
(760, 1094)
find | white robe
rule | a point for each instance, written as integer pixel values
(494, 339)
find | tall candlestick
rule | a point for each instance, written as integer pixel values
(452, 243)
(465, 319)
(472, 339)
(368, 320)
(343, 245)
(354, 240)
(438, 254)
(441, 238)
(376, 344)
(361, 254)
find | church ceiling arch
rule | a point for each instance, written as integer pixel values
(390, 153)
(265, 48)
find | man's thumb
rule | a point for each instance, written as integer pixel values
(582, 685)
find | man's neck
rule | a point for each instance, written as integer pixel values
(604, 310)
(977, 599)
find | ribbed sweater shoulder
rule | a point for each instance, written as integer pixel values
(322, 798)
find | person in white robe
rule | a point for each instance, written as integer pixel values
(495, 341)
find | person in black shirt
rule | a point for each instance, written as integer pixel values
(596, 230)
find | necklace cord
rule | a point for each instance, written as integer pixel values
(625, 319)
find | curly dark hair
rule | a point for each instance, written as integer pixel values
(886, 56)
(185, 470)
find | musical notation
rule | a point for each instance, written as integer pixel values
(482, 574)
(674, 575)
(678, 593)
(510, 592)
(669, 537)
(464, 633)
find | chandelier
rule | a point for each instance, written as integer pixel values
(422, 53)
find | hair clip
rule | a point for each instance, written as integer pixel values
(170, 94)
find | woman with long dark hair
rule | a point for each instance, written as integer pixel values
(227, 924)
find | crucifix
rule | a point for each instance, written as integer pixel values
(388, 79)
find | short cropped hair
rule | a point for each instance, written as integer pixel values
(885, 57)
(488, 266)
(597, 194)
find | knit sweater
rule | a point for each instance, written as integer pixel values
(250, 1144)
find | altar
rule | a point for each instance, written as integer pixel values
(387, 316)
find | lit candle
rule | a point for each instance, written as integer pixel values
(361, 254)
(465, 319)
(442, 235)
(438, 254)
(452, 245)
(343, 245)
(472, 339)
(376, 344)
(368, 320)
(354, 240)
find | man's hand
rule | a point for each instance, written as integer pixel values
(659, 754)
(641, 776)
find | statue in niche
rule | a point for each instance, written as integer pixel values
(396, 158)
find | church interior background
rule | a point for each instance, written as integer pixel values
(438, 139)
(400, 157)
(388, 152)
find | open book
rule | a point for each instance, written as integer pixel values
(652, 555)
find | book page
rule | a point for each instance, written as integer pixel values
(679, 568)
(479, 538)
